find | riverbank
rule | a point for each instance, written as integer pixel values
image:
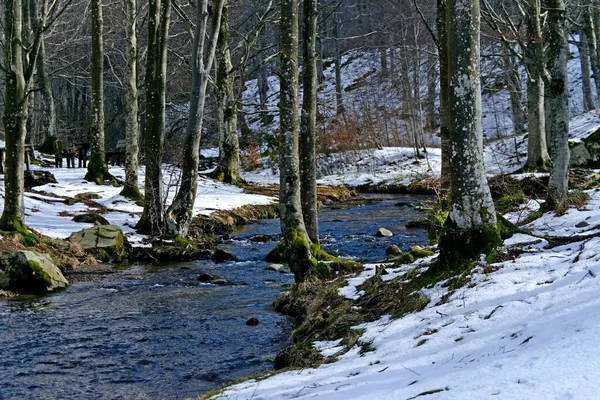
(524, 323)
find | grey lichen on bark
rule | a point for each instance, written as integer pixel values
(292, 222)
(558, 53)
(537, 153)
(228, 163)
(308, 170)
(97, 167)
(131, 189)
(470, 228)
(152, 219)
(179, 214)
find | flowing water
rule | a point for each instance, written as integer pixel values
(154, 332)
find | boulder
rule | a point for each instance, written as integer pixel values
(260, 238)
(38, 178)
(95, 219)
(206, 278)
(103, 241)
(30, 272)
(220, 256)
(382, 232)
(252, 321)
(275, 267)
(393, 251)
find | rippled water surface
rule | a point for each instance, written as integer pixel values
(157, 333)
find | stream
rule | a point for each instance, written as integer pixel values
(156, 332)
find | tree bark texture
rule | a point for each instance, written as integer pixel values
(590, 36)
(296, 239)
(19, 64)
(442, 6)
(97, 168)
(537, 153)
(586, 79)
(228, 163)
(180, 212)
(308, 170)
(558, 52)
(470, 228)
(132, 130)
(15, 117)
(513, 83)
(152, 219)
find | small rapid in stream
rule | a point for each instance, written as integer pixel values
(154, 332)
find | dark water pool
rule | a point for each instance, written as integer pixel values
(157, 333)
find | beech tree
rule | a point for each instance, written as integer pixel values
(228, 163)
(132, 134)
(558, 53)
(152, 219)
(97, 167)
(308, 171)
(179, 214)
(470, 228)
(295, 237)
(19, 68)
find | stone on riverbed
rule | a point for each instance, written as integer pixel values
(30, 272)
(260, 238)
(220, 256)
(105, 242)
(393, 251)
(275, 267)
(382, 232)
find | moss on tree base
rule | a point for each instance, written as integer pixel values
(132, 193)
(98, 171)
(14, 225)
(226, 176)
(461, 246)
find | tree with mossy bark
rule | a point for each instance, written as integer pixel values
(470, 228)
(19, 68)
(152, 219)
(308, 168)
(558, 54)
(97, 167)
(132, 131)
(179, 214)
(295, 237)
(228, 163)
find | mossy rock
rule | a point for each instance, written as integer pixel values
(105, 242)
(30, 272)
(95, 219)
(412, 255)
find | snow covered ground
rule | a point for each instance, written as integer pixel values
(52, 217)
(526, 331)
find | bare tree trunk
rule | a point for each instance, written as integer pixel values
(263, 86)
(558, 52)
(152, 219)
(48, 121)
(132, 129)
(296, 238)
(586, 81)
(513, 84)
(537, 153)
(590, 36)
(432, 78)
(470, 228)
(228, 164)
(18, 74)
(444, 46)
(97, 167)
(308, 171)
(180, 213)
